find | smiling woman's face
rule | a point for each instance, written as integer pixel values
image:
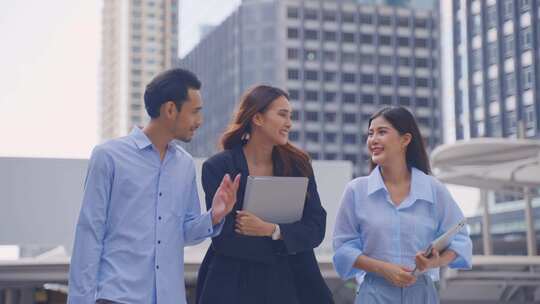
(275, 123)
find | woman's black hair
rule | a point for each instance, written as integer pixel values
(404, 122)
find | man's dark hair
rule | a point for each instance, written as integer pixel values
(170, 85)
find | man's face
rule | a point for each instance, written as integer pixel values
(189, 118)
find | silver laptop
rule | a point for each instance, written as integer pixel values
(276, 199)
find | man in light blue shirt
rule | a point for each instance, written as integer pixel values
(140, 204)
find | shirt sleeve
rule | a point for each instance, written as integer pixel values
(449, 215)
(90, 230)
(347, 242)
(197, 226)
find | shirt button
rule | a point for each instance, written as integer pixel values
(157, 266)
(160, 194)
(159, 242)
(159, 218)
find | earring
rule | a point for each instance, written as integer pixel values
(245, 137)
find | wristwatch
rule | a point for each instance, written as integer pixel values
(276, 235)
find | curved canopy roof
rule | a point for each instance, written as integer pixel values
(489, 163)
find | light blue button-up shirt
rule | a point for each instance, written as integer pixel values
(137, 214)
(368, 223)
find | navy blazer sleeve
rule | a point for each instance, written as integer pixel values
(228, 242)
(307, 233)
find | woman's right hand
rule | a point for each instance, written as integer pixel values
(398, 275)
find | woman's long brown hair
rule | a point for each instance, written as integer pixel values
(288, 159)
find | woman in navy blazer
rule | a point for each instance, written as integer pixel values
(253, 261)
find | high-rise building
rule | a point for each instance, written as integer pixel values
(140, 39)
(339, 60)
(493, 70)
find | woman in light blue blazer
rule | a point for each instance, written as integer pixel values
(386, 219)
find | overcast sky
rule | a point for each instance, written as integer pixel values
(49, 71)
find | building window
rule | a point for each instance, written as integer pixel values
(292, 12)
(477, 95)
(347, 17)
(524, 5)
(349, 118)
(404, 61)
(420, 42)
(491, 16)
(385, 40)
(403, 41)
(312, 116)
(386, 80)
(292, 33)
(293, 74)
(422, 82)
(510, 84)
(293, 136)
(312, 95)
(311, 14)
(385, 100)
(421, 23)
(329, 96)
(349, 97)
(511, 122)
(477, 25)
(508, 9)
(492, 53)
(350, 157)
(329, 56)
(330, 137)
(421, 62)
(367, 58)
(508, 46)
(292, 53)
(476, 60)
(526, 39)
(294, 94)
(385, 60)
(404, 81)
(529, 117)
(385, 20)
(348, 78)
(368, 99)
(422, 102)
(404, 100)
(329, 36)
(366, 39)
(493, 90)
(311, 75)
(495, 125)
(403, 21)
(312, 137)
(295, 115)
(527, 77)
(367, 79)
(329, 76)
(347, 37)
(329, 16)
(366, 19)
(311, 34)
(330, 156)
(348, 57)
(329, 117)
(349, 139)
